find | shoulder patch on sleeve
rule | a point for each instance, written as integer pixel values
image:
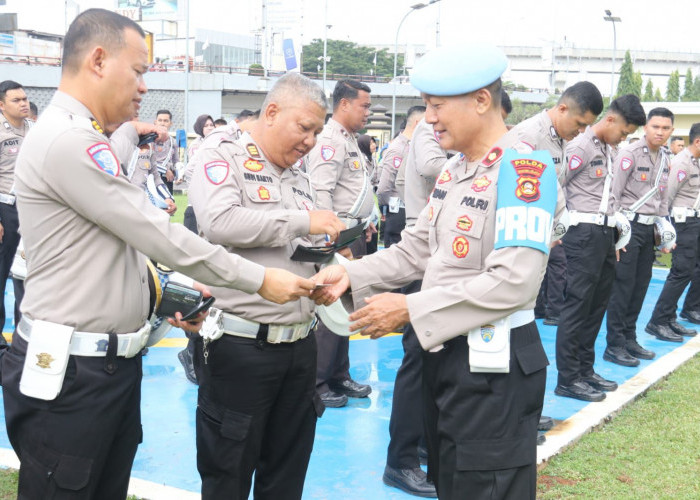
(574, 162)
(397, 161)
(327, 153)
(216, 171)
(104, 158)
(625, 163)
(682, 175)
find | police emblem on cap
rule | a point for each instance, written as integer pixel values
(253, 150)
(263, 193)
(216, 171)
(253, 165)
(397, 161)
(682, 175)
(575, 162)
(529, 172)
(444, 177)
(464, 223)
(460, 247)
(626, 163)
(44, 360)
(481, 184)
(327, 153)
(492, 156)
(104, 158)
(487, 333)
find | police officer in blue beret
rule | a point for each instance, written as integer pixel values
(481, 247)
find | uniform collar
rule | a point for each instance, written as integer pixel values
(345, 133)
(75, 107)
(548, 126)
(6, 125)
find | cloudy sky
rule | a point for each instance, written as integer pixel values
(645, 24)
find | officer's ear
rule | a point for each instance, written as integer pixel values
(95, 59)
(269, 114)
(483, 100)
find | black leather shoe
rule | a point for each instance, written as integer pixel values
(620, 356)
(634, 349)
(579, 390)
(541, 438)
(599, 383)
(551, 321)
(423, 455)
(679, 329)
(332, 400)
(412, 481)
(186, 360)
(545, 423)
(692, 316)
(350, 388)
(662, 332)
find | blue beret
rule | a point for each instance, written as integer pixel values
(458, 69)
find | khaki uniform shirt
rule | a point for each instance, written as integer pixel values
(338, 171)
(423, 165)
(230, 132)
(393, 158)
(684, 180)
(86, 229)
(143, 167)
(635, 173)
(258, 211)
(165, 155)
(584, 175)
(466, 283)
(10, 142)
(539, 133)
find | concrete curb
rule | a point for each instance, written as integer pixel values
(568, 432)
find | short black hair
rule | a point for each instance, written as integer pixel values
(630, 109)
(347, 89)
(413, 110)
(663, 112)
(164, 112)
(676, 138)
(584, 96)
(694, 132)
(33, 110)
(506, 105)
(95, 26)
(219, 122)
(6, 86)
(256, 114)
(245, 114)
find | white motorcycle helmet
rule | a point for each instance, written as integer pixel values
(561, 226)
(664, 234)
(336, 316)
(624, 231)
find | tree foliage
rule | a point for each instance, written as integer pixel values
(648, 92)
(657, 95)
(629, 82)
(673, 87)
(688, 89)
(348, 58)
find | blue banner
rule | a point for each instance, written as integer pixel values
(290, 58)
(527, 200)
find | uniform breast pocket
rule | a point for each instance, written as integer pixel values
(597, 172)
(460, 240)
(303, 203)
(262, 193)
(694, 180)
(354, 164)
(641, 175)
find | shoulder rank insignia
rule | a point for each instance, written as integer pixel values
(492, 156)
(253, 150)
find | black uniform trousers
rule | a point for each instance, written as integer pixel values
(18, 285)
(256, 412)
(395, 223)
(590, 272)
(632, 276)
(550, 298)
(189, 220)
(168, 183)
(685, 256)
(406, 423)
(82, 444)
(333, 359)
(8, 247)
(692, 298)
(481, 428)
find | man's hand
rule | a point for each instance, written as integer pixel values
(346, 252)
(385, 313)
(169, 175)
(171, 206)
(2, 232)
(617, 253)
(667, 250)
(281, 286)
(555, 243)
(336, 276)
(193, 325)
(371, 229)
(325, 222)
(143, 128)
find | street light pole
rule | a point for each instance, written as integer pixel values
(613, 20)
(417, 6)
(325, 48)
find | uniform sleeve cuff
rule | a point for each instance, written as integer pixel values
(300, 223)
(251, 277)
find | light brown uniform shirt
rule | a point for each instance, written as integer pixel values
(422, 166)
(10, 143)
(143, 167)
(466, 283)
(393, 158)
(338, 171)
(584, 175)
(86, 230)
(684, 180)
(165, 155)
(258, 211)
(539, 133)
(635, 173)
